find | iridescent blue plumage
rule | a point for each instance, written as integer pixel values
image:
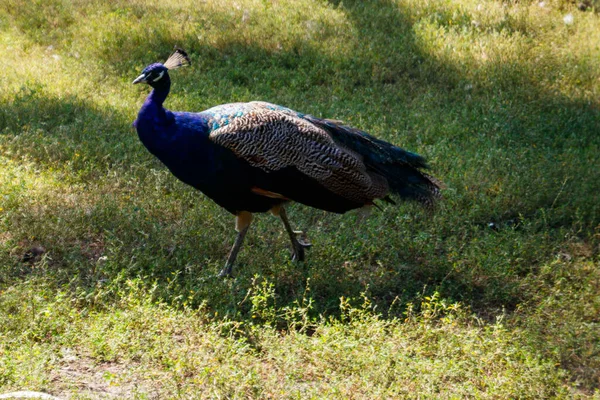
(222, 115)
(255, 157)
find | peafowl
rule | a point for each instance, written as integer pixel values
(257, 157)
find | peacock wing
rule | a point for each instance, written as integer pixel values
(273, 139)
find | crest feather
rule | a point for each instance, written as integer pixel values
(179, 58)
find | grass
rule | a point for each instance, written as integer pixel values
(496, 295)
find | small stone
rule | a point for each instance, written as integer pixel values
(583, 6)
(568, 19)
(33, 254)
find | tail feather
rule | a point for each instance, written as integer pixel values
(401, 168)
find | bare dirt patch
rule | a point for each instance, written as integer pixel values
(82, 376)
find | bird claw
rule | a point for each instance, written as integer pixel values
(302, 239)
(298, 245)
(298, 253)
(225, 272)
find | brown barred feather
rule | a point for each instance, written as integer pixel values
(276, 139)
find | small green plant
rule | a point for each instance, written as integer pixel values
(265, 310)
(107, 263)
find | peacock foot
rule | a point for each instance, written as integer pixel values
(302, 238)
(226, 271)
(299, 243)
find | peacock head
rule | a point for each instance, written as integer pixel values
(155, 74)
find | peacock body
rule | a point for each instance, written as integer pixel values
(257, 156)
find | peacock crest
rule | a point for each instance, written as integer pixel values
(177, 59)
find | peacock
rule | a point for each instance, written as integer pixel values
(256, 157)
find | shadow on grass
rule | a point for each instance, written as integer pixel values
(67, 130)
(511, 152)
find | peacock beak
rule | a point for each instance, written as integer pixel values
(141, 78)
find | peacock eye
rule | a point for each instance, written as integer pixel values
(159, 76)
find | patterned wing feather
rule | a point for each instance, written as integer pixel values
(401, 169)
(272, 138)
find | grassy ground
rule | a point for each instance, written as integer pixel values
(107, 262)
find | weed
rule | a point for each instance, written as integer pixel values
(501, 97)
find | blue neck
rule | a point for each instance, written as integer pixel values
(160, 92)
(153, 106)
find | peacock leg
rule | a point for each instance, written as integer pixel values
(242, 223)
(298, 246)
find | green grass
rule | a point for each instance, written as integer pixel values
(496, 295)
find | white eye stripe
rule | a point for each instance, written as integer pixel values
(159, 76)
